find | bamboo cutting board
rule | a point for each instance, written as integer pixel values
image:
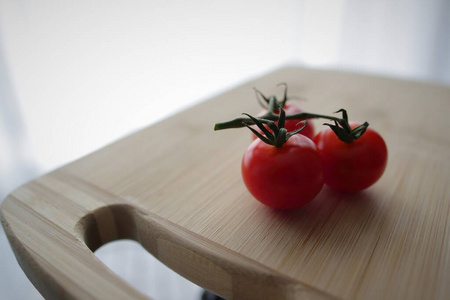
(175, 187)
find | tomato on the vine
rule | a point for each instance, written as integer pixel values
(283, 178)
(291, 125)
(282, 169)
(345, 156)
(352, 166)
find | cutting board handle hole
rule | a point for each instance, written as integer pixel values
(106, 224)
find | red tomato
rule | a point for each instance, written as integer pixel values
(352, 166)
(283, 178)
(291, 125)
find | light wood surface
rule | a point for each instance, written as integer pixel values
(175, 187)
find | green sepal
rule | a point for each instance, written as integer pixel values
(279, 134)
(258, 94)
(297, 130)
(261, 126)
(359, 131)
(285, 98)
(282, 118)
(343, 130)
(340, 132)
(266, 103)
(259, 135)
(344, 121)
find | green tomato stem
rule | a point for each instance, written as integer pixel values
(242, 121)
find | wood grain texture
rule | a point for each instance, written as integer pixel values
(175, 187)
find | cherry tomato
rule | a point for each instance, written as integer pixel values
(283, 178)
(291, 125)
(352, 166)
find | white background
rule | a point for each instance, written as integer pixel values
(77, 75)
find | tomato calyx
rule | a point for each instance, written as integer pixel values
(277, 135)
(342, 128)
(271, 103)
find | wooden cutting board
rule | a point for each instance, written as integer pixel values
(176, 188)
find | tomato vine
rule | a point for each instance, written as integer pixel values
(340, 127)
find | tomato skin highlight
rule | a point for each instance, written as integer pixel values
(352, 167)
(283, 178)
(291, 125)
